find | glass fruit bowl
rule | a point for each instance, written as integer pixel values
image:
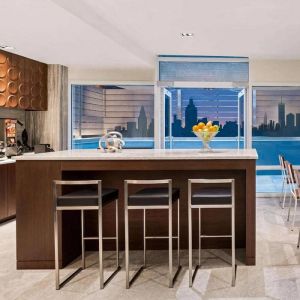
(206, 132)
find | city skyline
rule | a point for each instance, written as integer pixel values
(287, 124)
(139, 128)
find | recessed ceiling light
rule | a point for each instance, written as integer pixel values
(187, 34)
(6, 47)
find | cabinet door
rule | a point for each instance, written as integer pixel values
(11, 190)
(3, 192)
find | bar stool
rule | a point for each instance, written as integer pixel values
(284, 179)
(152, 198)
(85, 199)
(210, 197)
(294, 191)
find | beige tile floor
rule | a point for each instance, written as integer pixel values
(275, 276)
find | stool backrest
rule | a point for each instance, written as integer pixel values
(291, 177)
(147, 182)
(282, 165)
(57, 183)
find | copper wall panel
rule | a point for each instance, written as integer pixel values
(23, 82)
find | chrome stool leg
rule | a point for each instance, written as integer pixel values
(82, 240)
(170, 248)
(233, 236)
(117, 233)
(144, 236)
(199, 217)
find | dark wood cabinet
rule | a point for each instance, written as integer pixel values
(7, 191)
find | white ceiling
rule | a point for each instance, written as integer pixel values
(126, 34)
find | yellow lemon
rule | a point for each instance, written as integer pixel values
(201, 125)
(195, 127)
(209, 124)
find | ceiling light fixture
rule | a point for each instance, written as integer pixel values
(187, 34)
(6, 47)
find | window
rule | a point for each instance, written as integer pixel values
(186, 107)
(98, 109)
(276, 130)
(199, 89)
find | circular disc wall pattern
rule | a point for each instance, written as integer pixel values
(23, 82)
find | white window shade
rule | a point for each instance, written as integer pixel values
(198, 71)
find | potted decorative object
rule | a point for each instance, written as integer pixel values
(206, 132)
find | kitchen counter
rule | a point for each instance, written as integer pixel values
(7, 161)
(145, 154)
(35, 175)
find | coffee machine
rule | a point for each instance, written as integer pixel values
(8, 138)
(2, 151)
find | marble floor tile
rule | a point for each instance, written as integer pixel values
(276, 274)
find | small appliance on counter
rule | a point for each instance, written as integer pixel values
(42, 148)
(8, 137)
(2, 151)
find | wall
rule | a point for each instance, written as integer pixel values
(51, 126)
(94, 75)
(275, 71)
(260, 71)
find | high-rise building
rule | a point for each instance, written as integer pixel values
(281, 114)
(290, 121)
(131, 129)
(142, 123)
(190, 116)
(298, 120)
(265, 119)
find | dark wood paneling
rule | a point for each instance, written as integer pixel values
(35, 241)
(3, 192)
(11, 190)
(35, 205)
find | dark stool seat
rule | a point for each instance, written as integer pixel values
(87, 197)
(152, 196)
(211, 196)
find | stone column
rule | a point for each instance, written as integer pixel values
(51, 126)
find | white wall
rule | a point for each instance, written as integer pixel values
(261, 71)
(275, 72)
(98, 75)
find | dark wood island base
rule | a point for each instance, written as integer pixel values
(35, 241)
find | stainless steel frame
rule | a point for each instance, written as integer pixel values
(192, 274)
(100, 238)
(293, 191)
(284, 176)
(169, 237)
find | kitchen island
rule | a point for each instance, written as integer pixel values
(35, 174)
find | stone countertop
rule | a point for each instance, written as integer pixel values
(7, 161)
(143, 154)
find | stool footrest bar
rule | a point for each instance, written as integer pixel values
(160, 237)
(215, 236)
